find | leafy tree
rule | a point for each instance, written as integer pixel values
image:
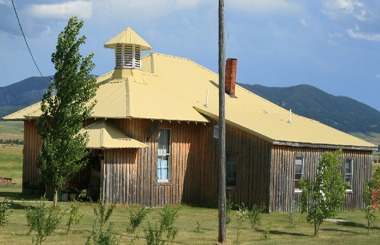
(64, 108)
(323, 198)
(372, 198)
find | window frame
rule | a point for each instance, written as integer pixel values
(351, 174)
(296, 180)
(166, 155)
(232, 162)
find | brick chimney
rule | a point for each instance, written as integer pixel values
(230, 81)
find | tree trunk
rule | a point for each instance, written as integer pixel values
(55, 198)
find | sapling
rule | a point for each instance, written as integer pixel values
(4, 212)
(323, 197)
(42, 220)
(100, 234)
(74, 216)
(137, 214)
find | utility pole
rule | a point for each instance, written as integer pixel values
(222, 131)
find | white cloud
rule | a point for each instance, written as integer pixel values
(260, 6)
(364, 36)
(82, 9)
(338, 9)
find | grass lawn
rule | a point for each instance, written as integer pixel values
(196, 225)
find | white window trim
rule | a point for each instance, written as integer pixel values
(169, 158)
(349, 190)
(298, 190)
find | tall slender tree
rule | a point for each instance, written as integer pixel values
(66, 104)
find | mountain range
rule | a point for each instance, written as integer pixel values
(21, 94)
(340, 112)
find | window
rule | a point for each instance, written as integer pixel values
(348, 173)
(231, 162)
(163, 161)
(298, 171)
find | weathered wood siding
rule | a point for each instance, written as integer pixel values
(130, 175)
(282, 175)
(265, 173)
(32, 144)
(253, 168)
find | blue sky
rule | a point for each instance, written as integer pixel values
(333, 45)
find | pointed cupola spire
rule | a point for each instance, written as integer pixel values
(128, 46)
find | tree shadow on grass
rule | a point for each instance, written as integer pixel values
(276, 232)
(357, 225)
(19, 196)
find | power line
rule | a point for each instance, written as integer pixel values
(26, 42)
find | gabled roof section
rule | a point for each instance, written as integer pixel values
(105, 135)
(128, 36)
(177, 89)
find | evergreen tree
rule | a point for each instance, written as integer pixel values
(66, 104)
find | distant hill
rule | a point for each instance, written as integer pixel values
(340, 112)
(22, 94)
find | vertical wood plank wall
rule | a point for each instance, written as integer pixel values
(130, 175)
(253, 168)
(282, 175)
(32, 144)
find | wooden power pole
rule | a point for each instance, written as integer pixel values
(222, 131)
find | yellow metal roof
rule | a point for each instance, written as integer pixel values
(177, 89)
(128, 36)
(105, 135)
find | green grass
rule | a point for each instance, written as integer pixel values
(352, 231)
(11, 130)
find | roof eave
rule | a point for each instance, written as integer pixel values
(324, 146)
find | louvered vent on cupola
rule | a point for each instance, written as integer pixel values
(128, 46)
(128, 56)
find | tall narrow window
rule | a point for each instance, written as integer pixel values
(298, 172)
(231, 162)
(348, 173)
(163, 161)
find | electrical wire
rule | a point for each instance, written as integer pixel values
(26, 42)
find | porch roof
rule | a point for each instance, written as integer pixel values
(105, 135)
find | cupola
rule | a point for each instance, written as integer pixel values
(128, 46)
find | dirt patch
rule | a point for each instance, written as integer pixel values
(4, 181)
